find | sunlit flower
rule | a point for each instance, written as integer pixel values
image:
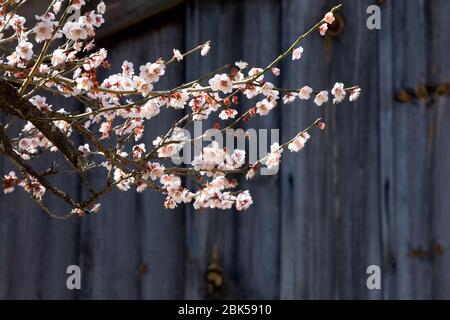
(101, 8)
(354, 95)
(74, 31)
(338, 92)
(241, 64)
(297, 53)
(58, 57)
(274, 157)
(321, 98)
(228, 114)
(177, 55)
(152, 71)
(305, 93)
(299, 142)
(25, 50)
(221, 82)
(329, 18)
(205, 49)
(243, 201)
(43, 30)
(323, 29)
(9, 182)
(263, 107)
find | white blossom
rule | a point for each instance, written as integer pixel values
(297, 53)
(321, 98)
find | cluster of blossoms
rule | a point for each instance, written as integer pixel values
(118, 108)
(28, 183)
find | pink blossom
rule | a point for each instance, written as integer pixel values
(84, 148)
(274, 157)
(150, 109)
(228, 114)
(25, 50)
(299, 142)
(205, 49)
(329, 18)
(40, 103)
(74, 31)
(238, 158)
(105, 129)
(101, 8)
(58, 57)
(153, 170)
(338, 92)
(33, 186)
(151, 72)
(305, 93)
(321, 98)
(177, 55)
(275, 71)
(138, 150)
(241, 64)
(243, 201)
(43, 30)
(268, 90)
(77, 4)
(297, 53)
(354, 95)
(123, 181)
(289, 97)
(84, 83)
(323, 29)
(221, 82)
(9, 182)
(255, 71)
(263, 107)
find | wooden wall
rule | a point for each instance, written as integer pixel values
(372, 189)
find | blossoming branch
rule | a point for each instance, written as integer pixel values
(56, 55)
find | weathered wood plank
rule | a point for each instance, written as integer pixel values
(134, 247)
(205, 21)
(371, 189)
(35, 249)
(386, 133)
(412, 212)
(330, 233)
(121, 14)
(439, 72)
(258, 235)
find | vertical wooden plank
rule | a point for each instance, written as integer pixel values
(206, 20)
(386, 133)
(439, 73)
(356, 151)
(134, 247)
(303, 184)
(412, 160)
(258, 228)
(330, 217)
(36, 249)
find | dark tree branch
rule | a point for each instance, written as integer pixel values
(11, 103)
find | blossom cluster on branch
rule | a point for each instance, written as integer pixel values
(56, 55)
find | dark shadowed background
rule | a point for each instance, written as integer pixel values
(373, 189)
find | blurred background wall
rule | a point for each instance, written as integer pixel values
(370, 190)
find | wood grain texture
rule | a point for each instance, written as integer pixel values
(135, 248)
(205, 20)
(371, 189)
(35, 250)
(439, 72)
(124, 14)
